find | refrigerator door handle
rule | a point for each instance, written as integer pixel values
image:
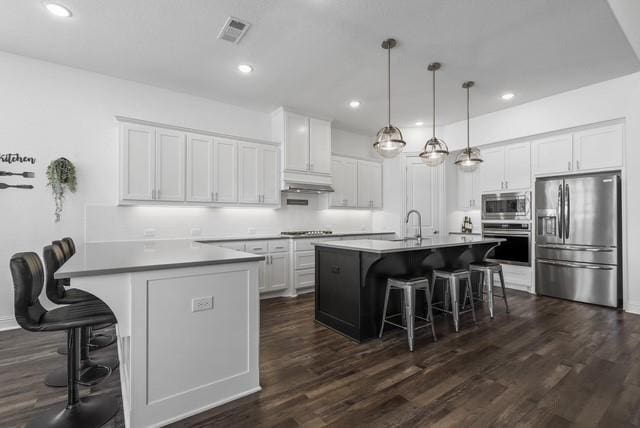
(575, 265)
(576, 248)
(559, 212)
(567, 215)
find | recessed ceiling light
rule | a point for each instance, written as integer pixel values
(419, 123)
(508, 96)
(245, 68)
(354, 104)
(58, 10)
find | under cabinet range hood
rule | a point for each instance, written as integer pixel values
(308, 188)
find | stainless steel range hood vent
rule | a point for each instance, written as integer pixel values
(307, 188)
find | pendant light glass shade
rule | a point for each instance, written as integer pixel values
(435, 150)
(469, 159)
(389, 142)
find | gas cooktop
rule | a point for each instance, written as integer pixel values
(306, 233)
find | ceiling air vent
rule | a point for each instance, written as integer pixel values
(233, 30)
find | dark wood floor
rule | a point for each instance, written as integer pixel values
(548, 363)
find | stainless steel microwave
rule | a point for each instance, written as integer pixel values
(506, 206)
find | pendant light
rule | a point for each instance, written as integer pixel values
(435, 151)
(468, 159)
(389, 142)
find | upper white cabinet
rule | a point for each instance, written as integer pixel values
(598, 148)
(592, 149)
(319, 146)
(344, 172)
(553, 155)
(225, 171)
(506, 167)
(258, 169)
(467, 188)
(161, 164)
(369, 184)
(199, 168)
(306, 145)
(138, 162)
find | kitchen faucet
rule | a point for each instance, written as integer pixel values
(419, 234)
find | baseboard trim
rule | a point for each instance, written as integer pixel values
(633, 308)
(8, 323)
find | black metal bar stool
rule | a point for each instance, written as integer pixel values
(408, 287)
(451, 278)
(91, 372)
(28, 279)
(96, 341)
(488, 270)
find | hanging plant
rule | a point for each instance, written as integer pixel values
(62, 176)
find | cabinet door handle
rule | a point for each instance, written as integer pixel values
(569, 166)
(310, 167)
(506, 184)
(335, 269)
(502, 185)
(577, 164)
(153, 194)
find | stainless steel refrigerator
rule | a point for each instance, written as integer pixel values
(578, 238)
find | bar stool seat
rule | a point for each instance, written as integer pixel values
(27, 272)
(489, 269)
(408, 286)
(452, 278)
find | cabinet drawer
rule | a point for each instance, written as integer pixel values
(238, 246)
(257, 247)
(279, 246)
(305, 259)
(305, 278)
(303, 245)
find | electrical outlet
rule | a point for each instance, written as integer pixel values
(251, 231)
(196, 231)
(201, 304)
(149, 232)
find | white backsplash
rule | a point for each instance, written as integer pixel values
(116, 223)
(455, 219)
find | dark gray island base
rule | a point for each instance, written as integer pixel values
(351, 276)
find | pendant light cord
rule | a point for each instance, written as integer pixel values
(434, 104)
(468, 147)
(389, 86)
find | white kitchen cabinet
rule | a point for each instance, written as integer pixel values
(296, 142)
(344, 172)
(598, 148)
(553, 155)
(170, 165)
(199, 168)
(506, 167)
(258, 174)
(319, 146)
(491, 171)
(369, 184)
(517, 166)
(306, 147)
(467, 189)
(305, 278)
(138, 162)
(276, 272)
(248, 174)
(225, 171)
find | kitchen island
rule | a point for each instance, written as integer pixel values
(351, 276)
(187, 322)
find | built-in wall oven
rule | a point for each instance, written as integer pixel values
(516, 250)
(506, 206)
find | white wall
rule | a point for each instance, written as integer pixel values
(48, 111)
(348, 143)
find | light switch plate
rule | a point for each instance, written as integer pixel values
(251, 231)
(199, 304)
(149, 232)
(196, 231)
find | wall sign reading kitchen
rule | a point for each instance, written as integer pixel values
(11, 158)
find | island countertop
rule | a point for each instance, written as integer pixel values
(106, 258)
(397, 246)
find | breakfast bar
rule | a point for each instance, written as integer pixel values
(187, 322)
(351, 275)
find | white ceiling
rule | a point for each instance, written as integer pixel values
(316, 55)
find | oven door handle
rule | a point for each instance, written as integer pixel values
(488, 234)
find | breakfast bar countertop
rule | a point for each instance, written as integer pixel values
(106, 258)
(403, 245)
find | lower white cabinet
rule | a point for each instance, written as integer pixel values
(305, 278)
(274, 269)
(276, 272)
